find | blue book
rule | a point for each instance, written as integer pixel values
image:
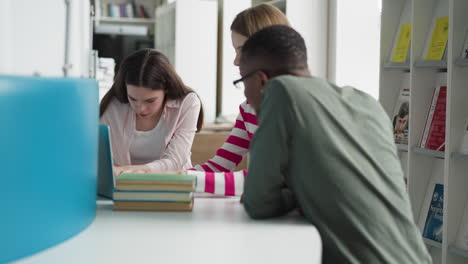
(433, 226)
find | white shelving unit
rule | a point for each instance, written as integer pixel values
(127, 20)
(125, 25)
(421, 165)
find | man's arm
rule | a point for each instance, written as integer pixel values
(265, 191)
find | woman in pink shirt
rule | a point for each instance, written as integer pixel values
(152, 115)
(237, 144)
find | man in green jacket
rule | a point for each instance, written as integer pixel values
(328, 151)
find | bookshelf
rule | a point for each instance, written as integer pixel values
(129, 24)
(127, 20)
(421, 166)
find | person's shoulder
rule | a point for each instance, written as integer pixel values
(188, 101)
(115, 112)
(358, 95)
(191, 99)
(115, 106)
(245, 107)
(288, 81)
(291, 85)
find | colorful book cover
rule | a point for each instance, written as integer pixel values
(439, 39)
(153, 206)
(400, 118)
(434, 220)
(434, 131)
(402, 46)
(155, 177)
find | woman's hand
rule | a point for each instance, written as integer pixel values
(118, 170)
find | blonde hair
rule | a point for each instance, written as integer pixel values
(257, 17)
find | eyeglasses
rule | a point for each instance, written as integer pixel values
(239, 84)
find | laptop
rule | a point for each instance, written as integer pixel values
(105, 168)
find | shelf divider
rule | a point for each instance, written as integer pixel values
(431, 64)
(127, 20)
(460, 252)
(432, 243)
(460, 156)
(397, 65)
(430, 152)
(461, 62)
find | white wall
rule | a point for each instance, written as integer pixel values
(33, 37)
(354, 47)
(81, 39)
(231, 97)
(310, 19)
(196, 49)
(5, 55)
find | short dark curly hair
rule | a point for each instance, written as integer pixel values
(404, 110)
(277, 49)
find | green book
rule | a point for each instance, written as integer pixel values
(176, 178)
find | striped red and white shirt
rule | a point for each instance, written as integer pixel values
(218, 178)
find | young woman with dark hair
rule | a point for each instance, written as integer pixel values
(152, 115)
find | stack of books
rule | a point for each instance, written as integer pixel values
(154, 192)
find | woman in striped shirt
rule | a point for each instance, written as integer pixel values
(216, 176)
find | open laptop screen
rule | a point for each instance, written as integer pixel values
(105, 169)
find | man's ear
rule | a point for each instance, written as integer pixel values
(263, 78)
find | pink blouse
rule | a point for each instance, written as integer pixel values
(180, 117)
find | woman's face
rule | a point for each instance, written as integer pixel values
(238, 41)
(145, 102)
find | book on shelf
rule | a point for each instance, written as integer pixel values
(462, 237)
(400, 119)
(434, 220)
(123, 10)
(433, 136)
(400, 53)
(438, 40)
(402, 40)
(464, 146)
(436, 177)
(114, 10)
(152, 206)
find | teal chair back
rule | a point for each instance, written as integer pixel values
(48, 161)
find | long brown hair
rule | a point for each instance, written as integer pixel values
(257, 17)
(147, 68)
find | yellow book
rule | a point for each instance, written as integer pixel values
(439, 38)
(402, 46)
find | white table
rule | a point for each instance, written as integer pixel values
(217, 231)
